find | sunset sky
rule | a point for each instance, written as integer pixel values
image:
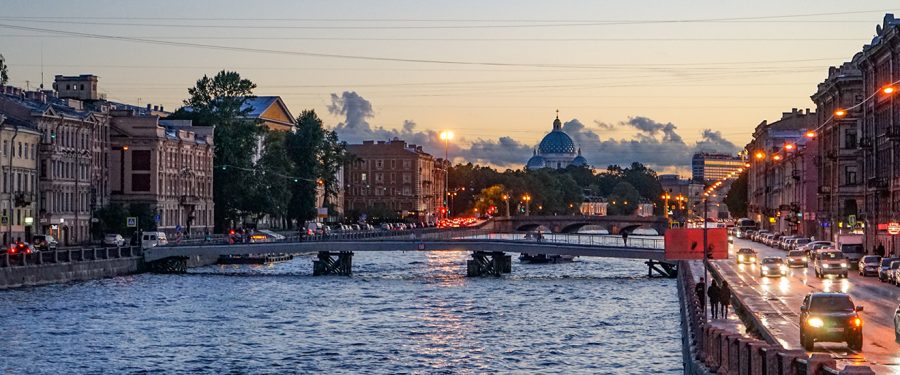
(627, 77)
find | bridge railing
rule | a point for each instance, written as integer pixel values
(69, 255)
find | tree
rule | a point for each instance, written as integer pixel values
(274, 170)
(736, 198)
(623, 200)
(332, 156)
(491, 197)
(4, 73)
(302, 148)
(219, 101)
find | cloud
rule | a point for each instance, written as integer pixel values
(656, 144)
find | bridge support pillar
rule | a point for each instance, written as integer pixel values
(483, 263)
(664, 269)
(169, 265)
(333, 263)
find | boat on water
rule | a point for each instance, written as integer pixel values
(545, 258)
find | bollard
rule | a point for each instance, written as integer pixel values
(55, 256)
(818, 361)
(105, 253)
(857, 370)
(757, 357)
(723, 357)
(744, 355)
(788, 357)
(734, 353)
(40, 257)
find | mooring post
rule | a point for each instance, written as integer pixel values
(328, 265)
(483, 263)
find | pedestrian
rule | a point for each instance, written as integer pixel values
(700, 290)
(880, 250)
(625, 238)
(713, 293)
(725, 298)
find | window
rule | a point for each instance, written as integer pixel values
(850, 138)
(363, 177)
(20, 149)
(140, 160)
(140, 182)
(407, 190)
(407, 178)
(393, 178)
(393, 164)
(26, 151)
(407, 164)
(850, 175)
(5, 148)
(379, 164)
(379, 177)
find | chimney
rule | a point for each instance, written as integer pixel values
(161, 109)
(148, 106)
(807, 111)
(156, 108)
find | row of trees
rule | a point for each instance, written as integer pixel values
(552, 191)
(257, 171)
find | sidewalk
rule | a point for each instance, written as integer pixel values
(732, 322)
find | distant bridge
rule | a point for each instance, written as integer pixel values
(571, 224)
(488, 249)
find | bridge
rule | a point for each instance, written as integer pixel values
(488, 249)
(571, 224)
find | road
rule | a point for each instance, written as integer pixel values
(776, 301)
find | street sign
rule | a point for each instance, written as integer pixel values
(156, 218)
(893, 228)
(4, 220)
(131, 222)
(323, 212)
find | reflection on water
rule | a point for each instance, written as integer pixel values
(399, 313)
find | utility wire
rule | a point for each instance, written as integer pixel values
(358, 57)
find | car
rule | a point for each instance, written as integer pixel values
(19, 248)
(830, 317)
(892, 271)
(113, 239)
(897, 324)
(896, 274)
(816, 245)
(44, 242)
(799, 242)
(830, 262)
(746, 255)
(772, 266)
(884, 270)
(868, 265)
(797, 258)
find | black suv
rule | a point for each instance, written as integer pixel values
(830, 317)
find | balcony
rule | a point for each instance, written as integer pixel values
(23, 199)
(877, 183)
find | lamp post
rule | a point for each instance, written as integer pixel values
(446, 136)
(506, 199)
(527, 199)
(665, 198)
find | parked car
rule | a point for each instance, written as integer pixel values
(830, 262)
(868, 265)
(816, 245)
(830, 317)
(113, 239)
(884, 270)
(746, 255)
(44, 242)
(772, 266)
(153, 239)
(797, 258)
(796, 244)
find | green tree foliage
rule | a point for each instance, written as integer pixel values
(274, 171)
(302, 148)
(4, 72)
(623, 200)
(219, 101)
(113, 218)
(332, 155)
(736, 198)
(491, 196)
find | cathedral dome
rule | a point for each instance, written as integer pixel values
(556, 142)
(536, 162)
(579, 161)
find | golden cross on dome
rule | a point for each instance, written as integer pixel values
(557, 113)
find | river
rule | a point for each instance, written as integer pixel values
(398, 313)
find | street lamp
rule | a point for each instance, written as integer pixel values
(527, 199)
(506, 199)
(446, 136)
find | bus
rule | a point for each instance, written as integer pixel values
(742, 225)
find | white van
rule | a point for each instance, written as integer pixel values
(153, 239)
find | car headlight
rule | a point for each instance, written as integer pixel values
(741, 258)
(805, 259)
(815, 322)
(752, 259)
(843, 265)
(824, 266)
(765, 268)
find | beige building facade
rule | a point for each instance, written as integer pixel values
(19, 179)
(166, 164)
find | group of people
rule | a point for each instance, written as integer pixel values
(719, 297)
